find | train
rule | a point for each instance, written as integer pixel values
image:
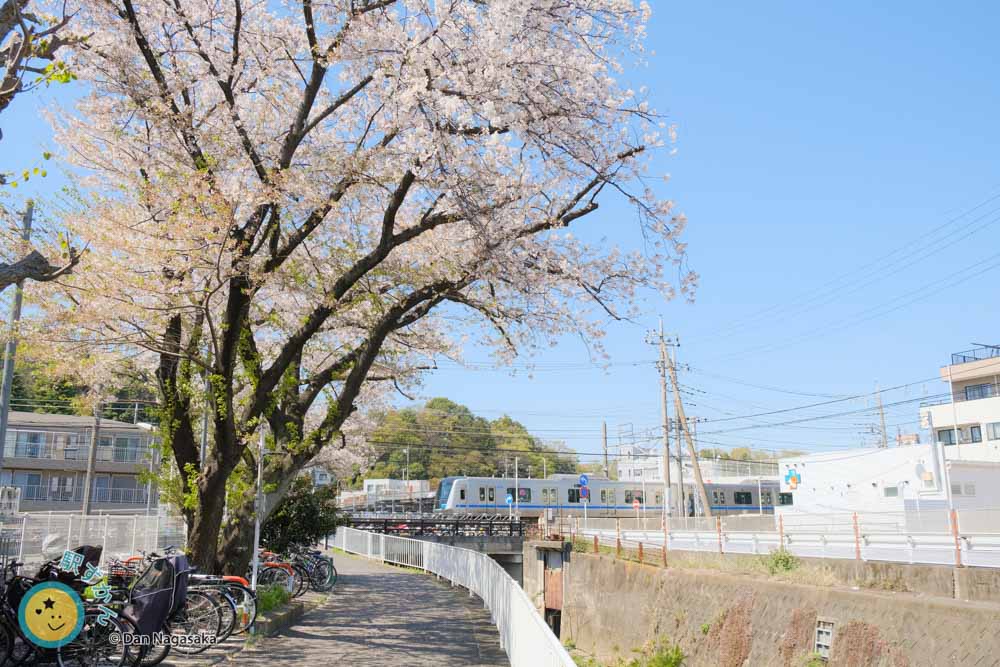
(561, 494)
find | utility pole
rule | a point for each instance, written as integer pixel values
(10, 351)
(92, 460)
(680, 463)
(881, 416)
(604, 439)
(209, 398)
(662, 367)
(696, 469)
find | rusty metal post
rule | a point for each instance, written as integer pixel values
(664, 549)
(618, 548)
(718, 530)
(640, 552)
(954, 534)
(781, 532)
(596, 549)
(857, 538)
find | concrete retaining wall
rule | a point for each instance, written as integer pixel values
(612, 607)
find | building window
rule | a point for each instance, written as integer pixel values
(977, 391)
(891, 491)
(970, 489)
(993, 431)
(976, 432)
(784, 499)
(743, 498)
(956, 488)
(947, 436)
(824, 639)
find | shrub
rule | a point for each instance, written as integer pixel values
(780, 560)
(272, 597)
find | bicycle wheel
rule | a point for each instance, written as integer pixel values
(301, 582)
(93, 646)
(227, 611)
(199, 620)
(6, 643)
(321, 576)
(272, 575)
(246, 605)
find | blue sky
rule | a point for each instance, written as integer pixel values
(832, 162)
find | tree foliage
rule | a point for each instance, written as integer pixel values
(444, 439)
(307, 207)
(303, 517)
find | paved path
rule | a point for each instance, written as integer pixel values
(383, 615)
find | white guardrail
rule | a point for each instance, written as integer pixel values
(978, 550)
(524, 635)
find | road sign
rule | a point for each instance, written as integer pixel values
(584, 480)
(584, 493)
(510, 499)
(635, 505)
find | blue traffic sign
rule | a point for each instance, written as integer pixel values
(584, 480)
(510, 499)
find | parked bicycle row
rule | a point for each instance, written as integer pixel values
(140, 609)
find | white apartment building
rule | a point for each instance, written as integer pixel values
(637, 463)
(970, 416)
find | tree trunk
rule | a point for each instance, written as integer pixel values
(236, 549)
(203, 537)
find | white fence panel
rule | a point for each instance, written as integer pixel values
(524, 635)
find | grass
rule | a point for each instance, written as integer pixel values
(784, 566)
(271, 598)
(662, 654)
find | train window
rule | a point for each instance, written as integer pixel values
(554, 496)
(743, 498)
(604, 496)
(545, 496)
(611, 496)
(628, 497)
(573, 495)
(482, 493)
(523, 495)
(638, 496)
(659, 498)
(784, 499)
(491, 496)
(461, 494)
(719, 497)
(768, 499)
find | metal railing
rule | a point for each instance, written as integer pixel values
(524, 635)
(929, 536)
(978, 354)
(44, 493)
(54, 446)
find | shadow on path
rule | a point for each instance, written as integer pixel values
(381, 615)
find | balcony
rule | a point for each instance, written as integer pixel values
(970, 393)
(55, 446)
(978, 354)
(43, 493)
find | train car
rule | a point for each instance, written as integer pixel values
(608, 498)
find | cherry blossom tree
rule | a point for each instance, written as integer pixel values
(307, 204)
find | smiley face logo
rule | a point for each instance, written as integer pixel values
(50, 614)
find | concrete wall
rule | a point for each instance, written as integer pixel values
(612, 607)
